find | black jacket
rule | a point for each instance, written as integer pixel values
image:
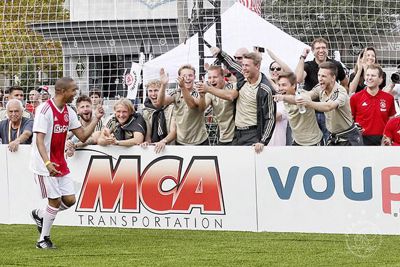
(266, 106)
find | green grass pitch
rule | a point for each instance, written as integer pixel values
(86, 246)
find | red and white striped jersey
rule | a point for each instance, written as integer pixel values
(253, 5)
(54, 123)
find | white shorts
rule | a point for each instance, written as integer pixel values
(55, 187)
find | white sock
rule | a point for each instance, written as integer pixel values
(62, 206)
(48, 219)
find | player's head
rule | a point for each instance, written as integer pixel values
(216, 76)
(84, 107)
(66, 89)
(287, 83)
(251, 64)
(153, 87)
(327, 75)
(188, 72)
(123, 109)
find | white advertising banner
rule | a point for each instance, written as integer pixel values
(329, 189)
(4, 207)
(205, 188)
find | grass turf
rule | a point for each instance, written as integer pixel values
(85, 246)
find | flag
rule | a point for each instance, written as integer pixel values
(253, 5)
(132, 80)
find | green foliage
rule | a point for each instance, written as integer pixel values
(23, 50)
(84, 246)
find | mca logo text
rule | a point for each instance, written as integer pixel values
(161, 188)
(387, 180)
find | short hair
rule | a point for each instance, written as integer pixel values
(186, 66)
(217, 68)
(288, 75)
(376, 67)
(62, 84)
(95, 91)
(15, 88)
(83, 98)
(11, 101)
(153, 83)
(329, 66)
(256, 57)
(241, 51)
(126, 103)
(319, 40)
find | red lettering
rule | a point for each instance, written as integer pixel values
(200, 187)
(387, 195)
(153, 178)
(110, 187)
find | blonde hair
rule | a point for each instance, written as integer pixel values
(153, 83)
(126, 103)
(256, 57)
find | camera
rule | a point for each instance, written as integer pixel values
(259, 49)
(395, 77)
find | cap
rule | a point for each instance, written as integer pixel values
(43, 89)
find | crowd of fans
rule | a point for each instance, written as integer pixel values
(316, 104)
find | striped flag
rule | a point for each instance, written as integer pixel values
(253, 5)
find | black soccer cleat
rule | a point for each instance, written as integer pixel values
(45, 243)
(37, 219)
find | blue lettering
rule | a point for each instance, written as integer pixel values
(283, 191)
(348, 189)
(330, 183)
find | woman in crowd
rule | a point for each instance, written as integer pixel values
(365, 58)
(125, 127)
(282, 128)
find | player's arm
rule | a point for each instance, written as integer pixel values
(137, 139)
(159, 146)
(84, 133)
(51, 166)
(300, 73)
(230, 95)
(163, 99)
(234, 67)
(320, 106)
(285, 67)
(191, 101)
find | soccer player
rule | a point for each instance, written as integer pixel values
(53, 120)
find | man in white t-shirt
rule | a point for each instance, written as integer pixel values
(52, 121)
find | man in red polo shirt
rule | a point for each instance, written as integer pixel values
(391, 134)
(372, 108)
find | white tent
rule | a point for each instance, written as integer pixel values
(240, 28)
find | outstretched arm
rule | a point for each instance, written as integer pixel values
(300, 73)
(162, 98)
(281, 63)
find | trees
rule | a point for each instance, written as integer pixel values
(22, 51)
